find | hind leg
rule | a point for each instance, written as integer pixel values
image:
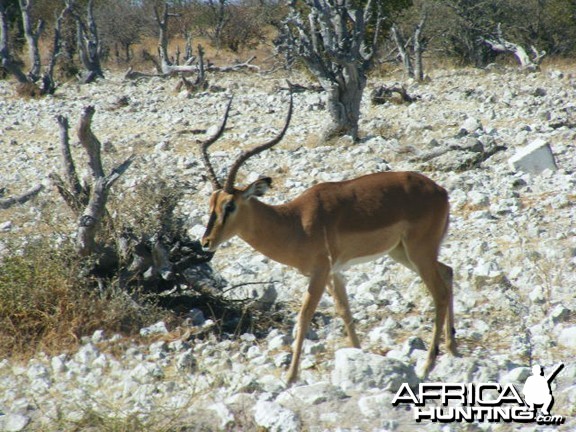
(436, 277)
(449, 330)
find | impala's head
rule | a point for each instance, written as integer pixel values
(229, 204)
(228, 212)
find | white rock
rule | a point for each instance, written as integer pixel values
(278, 342)
(271, 383)
(6, 226)
(534, 158)
(312, 394)
(86, 354)
(567, 337)
(146, 372)
(58, 363)
(98, 336)
(275, 418)
(537, 295)
(14, 422)
(223, 413)
(560, 313)
(471, 125)
(185, 362)
(372, 406)
(357, 370)
(516, 376)
(158, 328)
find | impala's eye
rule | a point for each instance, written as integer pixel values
(229, 207)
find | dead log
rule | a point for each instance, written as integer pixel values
(131, 74)
(199, 68)
(20, 199)
(385, 94)
(499, 44)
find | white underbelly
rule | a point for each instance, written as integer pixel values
(341, 266)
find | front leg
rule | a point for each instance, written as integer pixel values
(310, 303)
(343, 308)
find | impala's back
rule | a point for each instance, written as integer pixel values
(368, 216)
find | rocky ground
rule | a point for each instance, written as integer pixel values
(512, 245)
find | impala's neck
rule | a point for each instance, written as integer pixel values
(271, 230)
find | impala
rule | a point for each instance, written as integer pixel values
(334, 225)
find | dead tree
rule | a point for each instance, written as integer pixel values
(156, 260)
(32, 38)
(499, 44)
(336, 39)
(48, 84)
(200, 83)
(162, 22)
(87, 201)
(28, 82)
(410, 51)
(8, 62)
(88, 42)
(166, 66)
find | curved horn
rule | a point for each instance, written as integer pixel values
(244, 156)
(205, 157)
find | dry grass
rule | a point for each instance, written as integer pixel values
(46, 305)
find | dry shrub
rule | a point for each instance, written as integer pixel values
(29, 90)
(47, 305)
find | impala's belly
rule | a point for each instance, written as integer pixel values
(341, 266)
(360, 248)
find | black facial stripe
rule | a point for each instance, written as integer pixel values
(226, 212)
(211, 223)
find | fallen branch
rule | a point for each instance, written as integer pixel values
(131, 74)
(384, 94)
(20, 199)
(172, 70)
(499, 44)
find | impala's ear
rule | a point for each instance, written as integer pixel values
(258, 188)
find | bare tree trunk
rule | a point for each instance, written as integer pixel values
(188, 49)
(167, 68)
(89, 45)
(162, 22)
(5, 57)
(32, 37)
(334, 43)
(419, 48)
(411, 51)
(343, 102)
(48, 84)
(74, 194)
(28, 85)
(219, 14)
(90, 210)
(402, 46)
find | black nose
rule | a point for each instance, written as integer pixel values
(205, 245)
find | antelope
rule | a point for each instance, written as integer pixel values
(334, 225)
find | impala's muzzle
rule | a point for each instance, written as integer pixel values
(206, 246)
(206, 240)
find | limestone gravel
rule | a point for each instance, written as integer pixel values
(512, 244)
